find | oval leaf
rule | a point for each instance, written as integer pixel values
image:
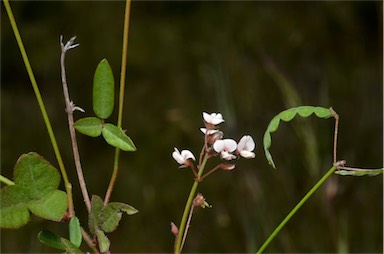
(288, 115)
(103, 241)
(50, 239)
(75, 231)
(116, 137)
(90, 126)
(103, 90)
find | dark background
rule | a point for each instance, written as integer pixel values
(247, 60)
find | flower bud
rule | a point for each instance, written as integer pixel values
(174, 229)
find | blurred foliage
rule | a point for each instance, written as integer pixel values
(189, 57)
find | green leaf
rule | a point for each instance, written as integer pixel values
(116, 137)
(103, 90)
(70, 247)
(90, 126)
(288, 115)
(365, 172)
(35, 190)
(75, 231)
(50, 239)
(51, 206)
(96, 207)
(111, 215)
(103, 241)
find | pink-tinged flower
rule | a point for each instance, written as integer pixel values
(210, 132)
(225, 147)
(183, 157)
(246, 146)
(214, 118)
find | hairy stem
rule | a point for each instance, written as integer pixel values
(297, 207)
(188, 206)
(69, 108)
(121, 97)
(40, 102)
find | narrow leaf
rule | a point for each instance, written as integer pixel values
(103, 90)
(75, 231)
(50, 239)
(116, 137)
(366, 172)
(90, 126)
(70, 247)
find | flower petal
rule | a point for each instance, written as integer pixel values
(247, 154)
(246, 143)
(186, 154)
(178, 157)
(218, 145)
(230, 145)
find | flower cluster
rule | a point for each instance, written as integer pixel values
(216, 145)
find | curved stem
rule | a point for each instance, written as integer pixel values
(297, 207)
(188, 205)
(41, 104)
(121, 98)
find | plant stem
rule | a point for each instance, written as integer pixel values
(69, 108)
(121, 97)
(5, 180)
(188, 205)
(41, 105)
(297, 207)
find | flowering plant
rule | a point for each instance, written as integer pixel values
(214, 146)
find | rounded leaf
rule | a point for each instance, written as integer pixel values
(288, 115)
(51, 206)
(323, 112)
(116, 137)
(90, 126)
(305, 111)
(103, 90)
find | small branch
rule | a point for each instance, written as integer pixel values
(336, 116)
(5, 180)
(209, 172)
(69, 108)
(89, 241)
(187, 227)
(121, 98)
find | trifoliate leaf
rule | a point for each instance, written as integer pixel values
(35, 190)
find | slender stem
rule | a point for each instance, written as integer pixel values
(121, 98)
(188, 205)
(187, 226)
(41, 104)
(89, 241)
(5, 180)
(209, 172)
(336, 116)
(69, 108)
(297, 207)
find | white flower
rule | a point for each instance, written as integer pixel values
(214, 118)
(246, 146)
(183, 157)
(210, 132)
(225, 147)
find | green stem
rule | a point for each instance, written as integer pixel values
(121, 97)
(5, 180)
(297, 207)
(188, 205)
(41, 104)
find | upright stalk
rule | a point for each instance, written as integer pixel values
(297, 207)
(121, 98)
(188, 205)
(70, 108)
(40, 102)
